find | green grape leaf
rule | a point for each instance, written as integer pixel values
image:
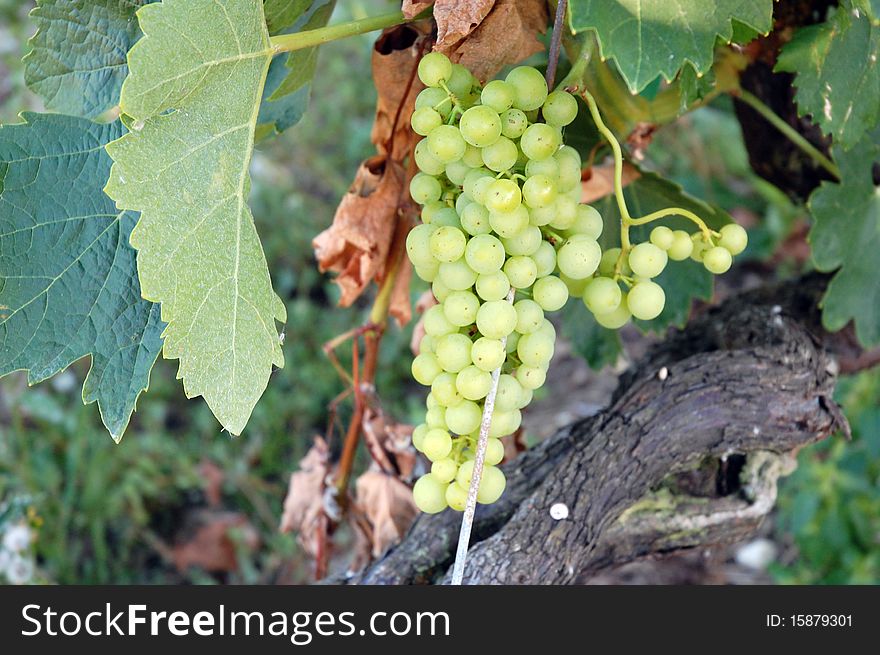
(681, 281)
(600, 347)
(288, 84)
(838, 74)
(281, 14)
(649, 38)
(846, 236)
(68, 279)
(77, 59)
(192, 100)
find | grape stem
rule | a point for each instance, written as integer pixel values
(626, 219)
(310, 38)
(467, 519)
(556, 42)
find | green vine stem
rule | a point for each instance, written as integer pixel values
(309, 38)
(790, 133)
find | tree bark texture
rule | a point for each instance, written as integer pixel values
(686, 455)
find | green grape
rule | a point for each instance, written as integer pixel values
(575, 287)
(475, 219)
(588, 221)
(435, 69)
(428, 273)
(521, 271)
(602, 295)
(431, 402)
(437, 444)
(646, 300)
(503, 196)
(566, 213)
(488, 354)
(456, 497)
(465, 473)
(431, 209)
(453, 352)
(456, 172)
(662, 237)
(717, 260)
(545, 259)
(646, 260)
(436, 99)
(473, 157)
(427, 162)
(540, 141)
(461, 307)
(531, 377)
(425, 188)
(550, 293)
(509, 224)
(609, 262)
(448, 244)
(429, 494)
(733, 238)
(435, 417)
(579, 257)
(473, 383)
(444, 470)
(446, 217)
(529, 87)
(560, 109)
(548, 329)
(547, 167)
(526, 242)
(418, 245)
(539, 191)
(509, 392)
(542, 216)
(493, 286)
(496, 319)
(500, 155)
(499, 95)
(444, 390)
(471, 178)
(465, 417)
(480, 189)
(446, 143)
(494, 452)
(435, 322)
(504, 423)
(427, 344)
(457, 275)
(529, 316)
(492, 484)
(480, 126)
(461, 81)
(425, 368)
(700, 246)
(535, 350)
(418, 435)
(424, 120)
(513, 123)
(681, 247)
(484, 254)
(569, 170)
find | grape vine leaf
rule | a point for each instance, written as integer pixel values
(68, 279)
(288, 83)
(77, 60)
(846, 236)
(682, 281)
(192, 100)
(838, 74)
(648, 38)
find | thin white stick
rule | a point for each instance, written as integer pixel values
(467, 519)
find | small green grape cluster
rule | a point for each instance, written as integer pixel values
(501, 211)
(645, 299)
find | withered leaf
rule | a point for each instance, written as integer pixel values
(303, 505)
(412, 8)
(388, 505)
(601, 181)
(209, 544)
(458, 18)
(356, 245)
(423, 304)
(507, 35)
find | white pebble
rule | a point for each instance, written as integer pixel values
(756, 555)
(663, 373)
(559, 511)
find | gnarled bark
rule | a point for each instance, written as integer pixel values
(686, 455)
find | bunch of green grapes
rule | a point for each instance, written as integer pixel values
(504, 238)
(623, 286)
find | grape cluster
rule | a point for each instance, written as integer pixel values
(504, 238)
(501, 212)
(645, 299)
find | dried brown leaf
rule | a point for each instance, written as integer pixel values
(412, 8)
(303, 506)
(458, 18)
(209, 544)
(601, 181)
(388, 505)
(423, 304)
(212, 481)
(507, 35)
(356, 245)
